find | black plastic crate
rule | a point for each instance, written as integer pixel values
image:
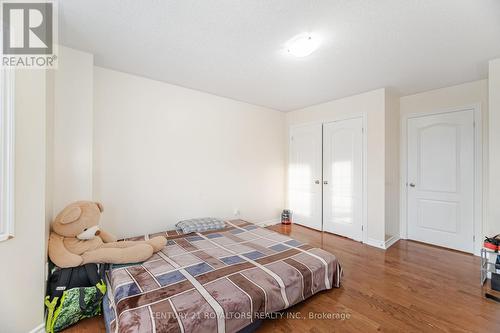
(495, 281)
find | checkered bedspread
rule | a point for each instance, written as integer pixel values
(216, 281)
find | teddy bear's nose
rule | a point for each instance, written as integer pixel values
(97, 232)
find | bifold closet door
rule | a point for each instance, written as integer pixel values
(343, 178)
(304, 175)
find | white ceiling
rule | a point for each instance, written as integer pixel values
(234, 48)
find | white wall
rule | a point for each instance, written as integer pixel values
(164, 153)
(494, 151)
(49, 156)
(467, 94)
(373, 103)
(73, 128)
(392, 163)
(22, 280)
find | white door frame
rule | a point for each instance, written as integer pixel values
(478, 170)
(364, 116)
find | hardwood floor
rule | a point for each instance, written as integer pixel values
(411, 287)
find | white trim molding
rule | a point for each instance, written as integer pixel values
(375, 243)
(39, 329)
(6, 154)
(268, 223)
(260, 223)
(391, 241)
(384, 245)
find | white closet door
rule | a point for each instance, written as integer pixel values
(304, 175)
(343, 178)
(441, 179)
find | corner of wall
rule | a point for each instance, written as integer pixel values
(49, 161)
(392, 163)
(73, 128)
(493, 214)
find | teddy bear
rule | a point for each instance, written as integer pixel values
(76, 239)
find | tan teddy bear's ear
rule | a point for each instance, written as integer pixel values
(100, 206)
(71, 215)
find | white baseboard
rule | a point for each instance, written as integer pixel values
(375, 243)
(384, 245)
(261, 223)
(39, 329)
(391, 241)
(268, 223)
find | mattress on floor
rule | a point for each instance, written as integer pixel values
(216, 281)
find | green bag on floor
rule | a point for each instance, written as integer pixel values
(66, 304)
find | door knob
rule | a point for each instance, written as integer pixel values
(412, 185)
(325, 182)
(316, 182)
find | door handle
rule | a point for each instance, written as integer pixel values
(316, 182)
(325, 182)
(412, 185)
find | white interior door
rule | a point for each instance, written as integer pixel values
(304, 175)
(343, 178)
(441, 179)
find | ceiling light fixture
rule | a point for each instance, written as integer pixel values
(302, 45)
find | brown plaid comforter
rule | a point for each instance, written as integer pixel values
(216, 281)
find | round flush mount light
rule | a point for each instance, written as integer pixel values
(302, 45)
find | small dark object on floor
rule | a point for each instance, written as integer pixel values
(492, 297)
(495, 281)
(286, 216)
